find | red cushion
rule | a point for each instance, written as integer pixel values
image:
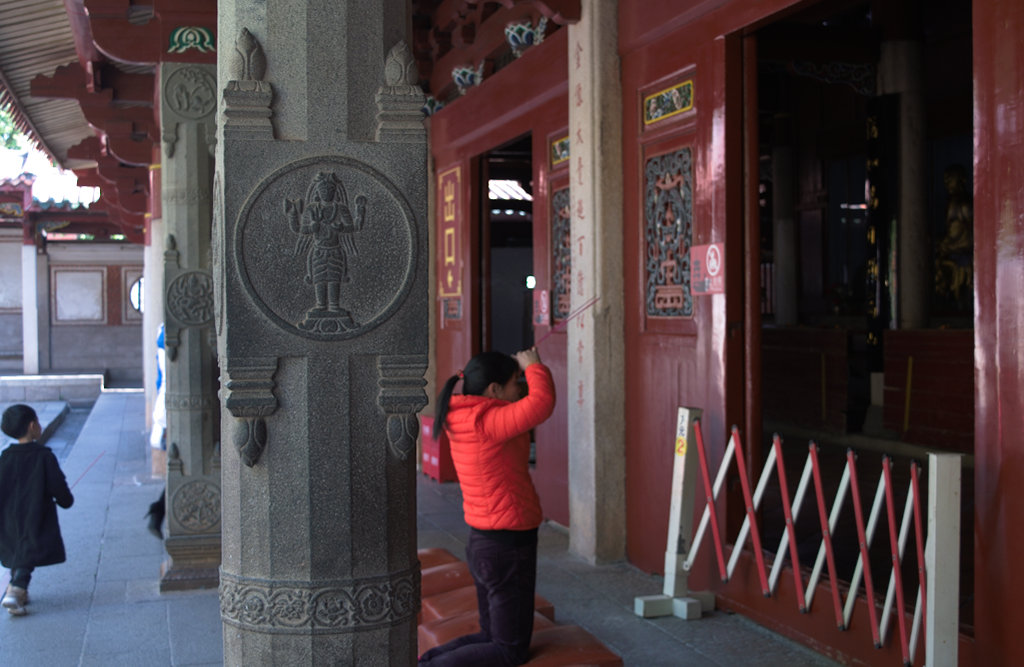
(431, 557)
(443, 578)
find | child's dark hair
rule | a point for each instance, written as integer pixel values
(17, 419)
(479, 373)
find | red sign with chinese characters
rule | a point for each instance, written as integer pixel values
(449, 274)
(707, 269)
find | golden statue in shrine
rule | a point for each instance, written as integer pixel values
(954, 256)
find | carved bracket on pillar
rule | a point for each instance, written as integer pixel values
(188, 298)
(401, 396)
(250, 398)
(399, 100)
(247, 97)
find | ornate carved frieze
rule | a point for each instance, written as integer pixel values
(401, 397)
(189, 95)
(346, 248)
(247, 96)
(249, 396)
(668, 223)
(319, 607)
(561, 254)
(188, 298)
(400, 100)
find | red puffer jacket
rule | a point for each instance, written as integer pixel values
(490, 443)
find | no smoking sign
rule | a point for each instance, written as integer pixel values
(707, 268)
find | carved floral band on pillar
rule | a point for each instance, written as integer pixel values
(188, 297)
(286, 607)
(400, 100)
(401, 396)
(247, 97)
(250, 398)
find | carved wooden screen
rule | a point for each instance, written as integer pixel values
(561, 255)
(668, 233)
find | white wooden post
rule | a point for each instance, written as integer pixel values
(676, 598)
(942, 561)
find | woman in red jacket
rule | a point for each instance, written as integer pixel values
(488, 427)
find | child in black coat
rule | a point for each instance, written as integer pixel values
(30, 481)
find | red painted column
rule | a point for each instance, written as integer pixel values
(999, 308)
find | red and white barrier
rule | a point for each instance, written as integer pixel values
(936, 605)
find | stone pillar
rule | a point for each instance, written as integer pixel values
(901, 70)
(152, 318)
(785, 253)
(153, 287)
(596, 403)
(30, 304)
(187, 110)
(321, 265)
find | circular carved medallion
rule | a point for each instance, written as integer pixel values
(196, 506)
(191, 92)
(326, 247)
(190, 298)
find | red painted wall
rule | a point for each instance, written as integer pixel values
(697, 362)
(998, 313)
(941, 387)
(710, 361)
(529, 96)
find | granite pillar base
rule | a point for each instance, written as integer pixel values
(194, 563)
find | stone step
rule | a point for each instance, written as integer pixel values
(79, 390)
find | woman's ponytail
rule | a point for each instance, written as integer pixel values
(443, 400)
(482, 370)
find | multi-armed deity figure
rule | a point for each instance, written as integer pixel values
(326, 224)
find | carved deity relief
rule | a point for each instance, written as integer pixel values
(189, 96)
(352, 253)
(326, 225)
(191, 92)
(188, 297)
(196, 505)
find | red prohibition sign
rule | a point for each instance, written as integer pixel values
(713, 260)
